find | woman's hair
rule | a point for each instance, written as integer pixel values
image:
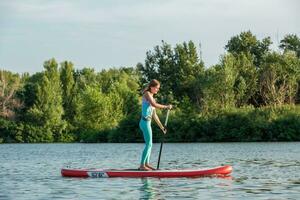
(153, 83)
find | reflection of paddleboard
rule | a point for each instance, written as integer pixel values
(134, 173)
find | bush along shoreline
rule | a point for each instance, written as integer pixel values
(247, 124)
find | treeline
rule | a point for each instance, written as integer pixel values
(250, 95)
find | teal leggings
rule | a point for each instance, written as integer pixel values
(145, 126)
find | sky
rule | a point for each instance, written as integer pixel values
(117, 33)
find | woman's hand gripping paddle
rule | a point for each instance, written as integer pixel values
(162, 142)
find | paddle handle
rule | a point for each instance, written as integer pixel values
(161, 145)
(162, 142)
(167, 117)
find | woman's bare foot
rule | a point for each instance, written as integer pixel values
(150, 167)
(144, 168)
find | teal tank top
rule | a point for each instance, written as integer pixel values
(147, 109)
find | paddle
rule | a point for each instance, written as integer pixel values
(162, 142)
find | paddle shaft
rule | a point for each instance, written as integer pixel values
(162, 142)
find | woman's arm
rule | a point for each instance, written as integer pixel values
(156, 118)
(153, 102)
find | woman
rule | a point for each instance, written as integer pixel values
(148, 111)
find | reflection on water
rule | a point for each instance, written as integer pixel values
(183, 188)
(260, 171)
(147, 190)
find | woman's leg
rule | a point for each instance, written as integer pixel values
(147, 132)
(149, 142)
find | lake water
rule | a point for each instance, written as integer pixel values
(261, 171)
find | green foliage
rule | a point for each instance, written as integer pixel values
(37, 134)
(9, 84)
(279, 78)
(85, 77)
(47, 109)
(127, 130)
(28, 93)
(96, 110)
(291, 42)
(245, 85)
(211, 104)
(246, 43)
(68, 89)
(176, 68)
(218, 85)
(125, 83)
(286, 128)
(91, 135)
(238, 125)
(5, 129)
(11, 131)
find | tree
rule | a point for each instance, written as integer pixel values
(47, 110)
(68, 90)
(85, 77)
(124, 82)
(176, 68)
(28, 94)
(218, 85)
(291, 42)
(246, 43)
(278, 78)
(158, 64)
(189, 68)
(245, 85)
(98, 111)
(9, 102)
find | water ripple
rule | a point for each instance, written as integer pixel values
(261, 171)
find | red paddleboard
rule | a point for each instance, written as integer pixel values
(134, 173)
